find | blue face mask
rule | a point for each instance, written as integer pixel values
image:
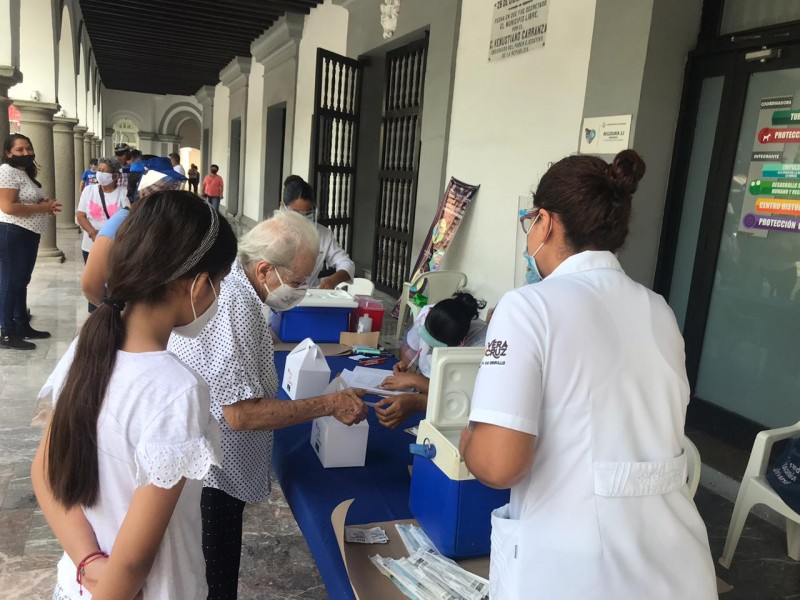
(532, 275)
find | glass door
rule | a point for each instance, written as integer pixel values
(733, 282)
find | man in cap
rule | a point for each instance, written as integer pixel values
(123, 154)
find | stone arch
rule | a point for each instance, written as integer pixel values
(176, 114)
(124, 130)
(81, 84)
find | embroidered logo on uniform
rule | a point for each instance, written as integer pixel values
(496, 348)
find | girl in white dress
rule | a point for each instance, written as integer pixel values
(119, 472)
(579, 408)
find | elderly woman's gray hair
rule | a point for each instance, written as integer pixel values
(111, 162)
(279, 240)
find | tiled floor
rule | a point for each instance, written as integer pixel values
(276, 563)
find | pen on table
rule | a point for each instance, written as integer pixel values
(372, 361)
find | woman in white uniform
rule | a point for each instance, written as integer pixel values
(579, 408)
(298, 196)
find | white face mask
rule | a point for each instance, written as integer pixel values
(193, 329)
(284, 297)
(105, 178)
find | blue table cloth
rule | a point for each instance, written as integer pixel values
(380, 488)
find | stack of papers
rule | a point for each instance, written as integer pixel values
(369, 380)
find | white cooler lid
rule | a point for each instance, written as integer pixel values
(453, 373)
(316, 298)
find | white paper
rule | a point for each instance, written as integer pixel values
(369, 379)
(374, 535)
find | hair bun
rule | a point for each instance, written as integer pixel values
(625, 172)
(293, 179)
(470, 304)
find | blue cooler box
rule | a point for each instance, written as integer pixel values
(321, 316)
(451, 506)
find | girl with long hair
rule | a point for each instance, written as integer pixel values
(119, 472)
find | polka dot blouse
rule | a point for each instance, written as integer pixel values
(234, 354)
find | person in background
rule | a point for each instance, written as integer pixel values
(298, 196)
(449, 323)
(118, 473)
(123, 154)
(136, 156)
(234, 354)
(213, 186)
(158, 176)
(99, 203)
(23, 218)
(579, 408)
(193, 175)
(88, 177)
(175, 158)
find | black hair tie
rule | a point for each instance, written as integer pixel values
(117, 305)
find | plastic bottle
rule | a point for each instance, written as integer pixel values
(364, 324)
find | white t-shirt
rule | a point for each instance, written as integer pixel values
(91, 204)
(179, 168)
(592, 364)
(29, 193)
(154, 428)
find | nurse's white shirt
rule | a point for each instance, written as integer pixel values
(592, 364)
(330, 253)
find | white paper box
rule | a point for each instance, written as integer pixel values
(306, 373)
(339, 445)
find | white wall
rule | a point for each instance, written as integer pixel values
(37, 59)
(510, 118)
(325, 27)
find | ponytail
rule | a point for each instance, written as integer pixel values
(72, 468)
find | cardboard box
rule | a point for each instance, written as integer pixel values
(339, 445)
(307, 372)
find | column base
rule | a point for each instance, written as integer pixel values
(50, 255)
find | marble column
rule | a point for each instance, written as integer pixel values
(96, 147)
(80, 166)
(37, 123)
(64, 148)
(9, 76)
(87, 148)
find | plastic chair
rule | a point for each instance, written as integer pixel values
(438, 285)
(359, 285)
(755, 489)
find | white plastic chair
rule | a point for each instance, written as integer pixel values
(438, 285)
(693, 464)
(755, 489)
(359, 286)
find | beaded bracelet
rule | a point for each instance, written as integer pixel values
(89, 558)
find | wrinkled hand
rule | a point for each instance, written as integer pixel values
(92, 573)
(347, 407)
(327, 283)
(51, 206)
(401, 381)
(394, 410)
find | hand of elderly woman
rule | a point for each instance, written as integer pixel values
(347, 407)
(394, 410)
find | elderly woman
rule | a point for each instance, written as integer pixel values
(579, 408)
(23, 218)
(234, 355)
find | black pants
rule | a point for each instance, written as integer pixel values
(222, 542)
(18, 248)
(92, 307)
(193, 185)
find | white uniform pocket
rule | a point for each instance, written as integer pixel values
(505, 574)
